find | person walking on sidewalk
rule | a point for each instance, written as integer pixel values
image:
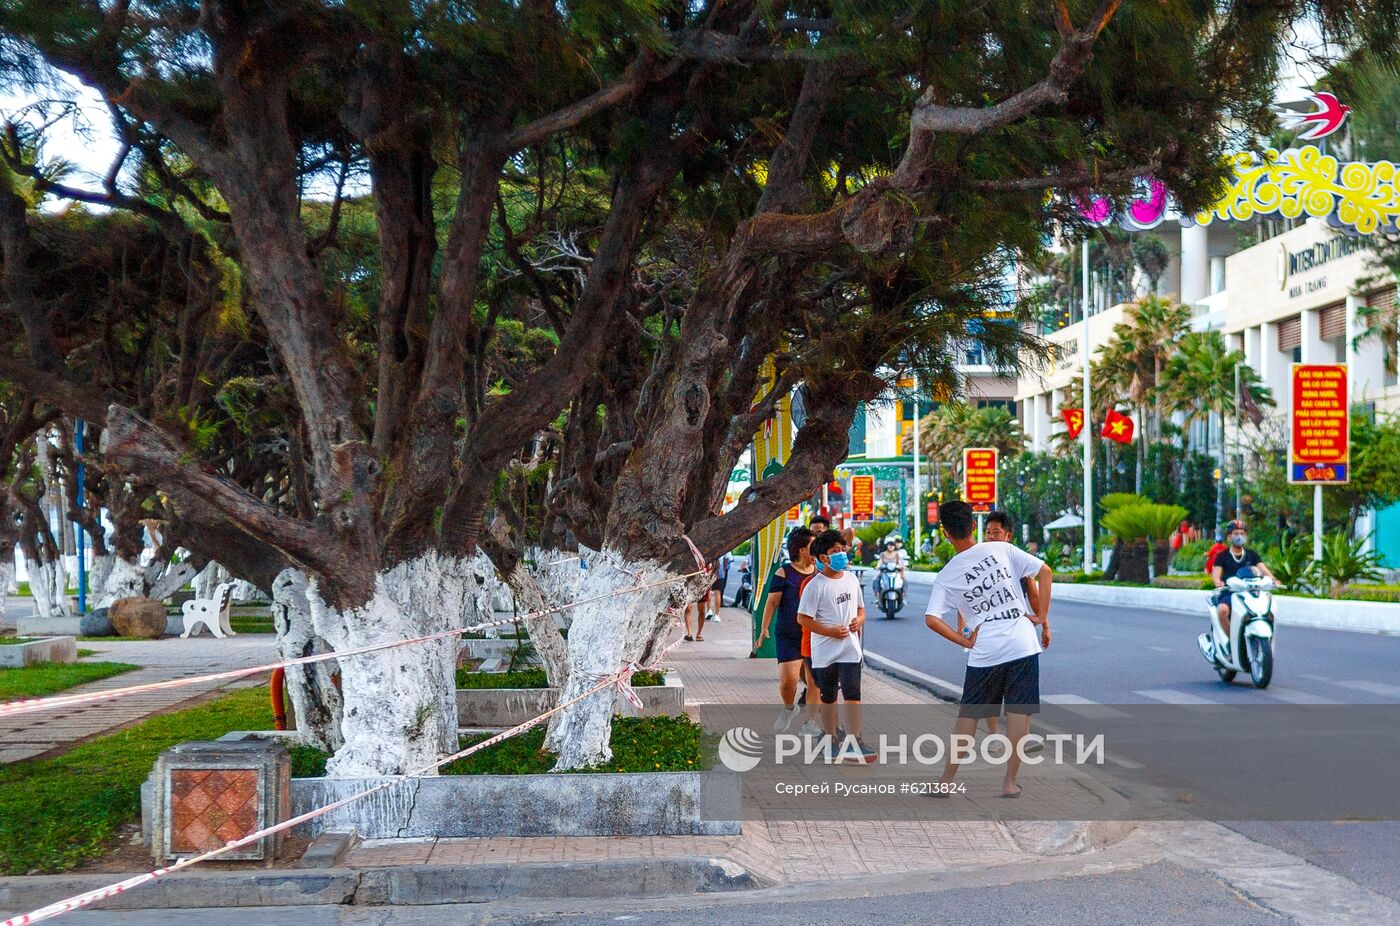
(983, 583)
(784, 593)
(833, 610)
(714, 600)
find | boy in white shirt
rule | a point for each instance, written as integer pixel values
(834, 611)
(984, 584)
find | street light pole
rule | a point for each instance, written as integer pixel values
(918, 495)
(1088, 423)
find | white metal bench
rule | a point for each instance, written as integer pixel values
(211, 612)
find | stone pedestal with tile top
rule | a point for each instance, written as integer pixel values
(207, 794)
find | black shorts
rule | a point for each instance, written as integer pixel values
(845, 675)
(718, 585)
(1015, 683)
(788, 646)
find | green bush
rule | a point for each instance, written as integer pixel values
(943, 551)
(1187, 582)
(1292, 564)
(1115, 500)
(743, 548)
(535, 678)
(870, 537)
(1139, 520)
(1053, 555)
(1192, 556)
(1345, 561)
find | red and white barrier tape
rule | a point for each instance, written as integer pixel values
(78, 901)
(33, 705)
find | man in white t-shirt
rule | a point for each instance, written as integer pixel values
(833, 609)
(1010, 627)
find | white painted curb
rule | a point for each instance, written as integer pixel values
(1289, 611)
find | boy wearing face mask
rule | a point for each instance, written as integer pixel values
(1228, 563)
(833, 609)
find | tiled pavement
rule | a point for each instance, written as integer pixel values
(32, 735)
(781, 850)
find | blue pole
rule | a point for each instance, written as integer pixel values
(82, 540)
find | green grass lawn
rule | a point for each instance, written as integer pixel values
(46, 678)
(639, 744)
(57, 813)
(535, 678)
(12, 641)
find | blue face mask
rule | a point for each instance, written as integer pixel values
(838, 561)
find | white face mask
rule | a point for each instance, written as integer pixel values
(1238, 541)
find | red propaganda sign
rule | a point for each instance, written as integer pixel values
(1319, 449)
(795, 513)
(932, 513)
(1074, 420)
(862, 496)
(980, 478)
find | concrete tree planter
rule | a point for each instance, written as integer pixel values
(498, 648)
(506, 707)
(585, 804)
(44, 649)
(699, 803)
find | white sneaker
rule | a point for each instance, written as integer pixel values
(785, 718)
(809, 728)
(714, 617)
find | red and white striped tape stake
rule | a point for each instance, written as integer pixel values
(33, 705)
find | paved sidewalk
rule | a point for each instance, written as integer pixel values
(30, 735)
(717, 670)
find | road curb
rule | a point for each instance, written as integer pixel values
(408, 885)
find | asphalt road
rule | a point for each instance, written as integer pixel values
(1109, 655)
(1112, 655)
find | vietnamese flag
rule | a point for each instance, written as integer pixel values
(1074, 420)
(1118, 427)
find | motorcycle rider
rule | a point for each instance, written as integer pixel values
(891, 554)
(1228, 563)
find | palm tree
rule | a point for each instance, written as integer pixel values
(1199, 378)
(950, 429)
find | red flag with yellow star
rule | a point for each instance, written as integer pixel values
(1118, 427)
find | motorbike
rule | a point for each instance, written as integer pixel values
(890, 586)
(1250, 644)
(744, 596)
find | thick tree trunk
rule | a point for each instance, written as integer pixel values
(606, 635)
(543, 630)
(99, 572)
(48, 584)
(127, 579)
(316, 701)
(400, 711)
(7, 578)
(165, 583)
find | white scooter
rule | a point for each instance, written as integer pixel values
(890, 587)
(1250, 644)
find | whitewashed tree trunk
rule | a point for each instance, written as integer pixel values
(99, 572)
(316, 702)
(243, 590)
(127, 579)
(7, 577)
(604, 636)
(170, 580)
(400, 711)
(48, 584)
(544, 632)
(208, 579)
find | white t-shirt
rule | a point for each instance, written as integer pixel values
(832, 603)
(984, 583)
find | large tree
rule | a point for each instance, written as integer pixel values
(828, 187)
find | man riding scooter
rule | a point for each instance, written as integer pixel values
(1228, 563)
